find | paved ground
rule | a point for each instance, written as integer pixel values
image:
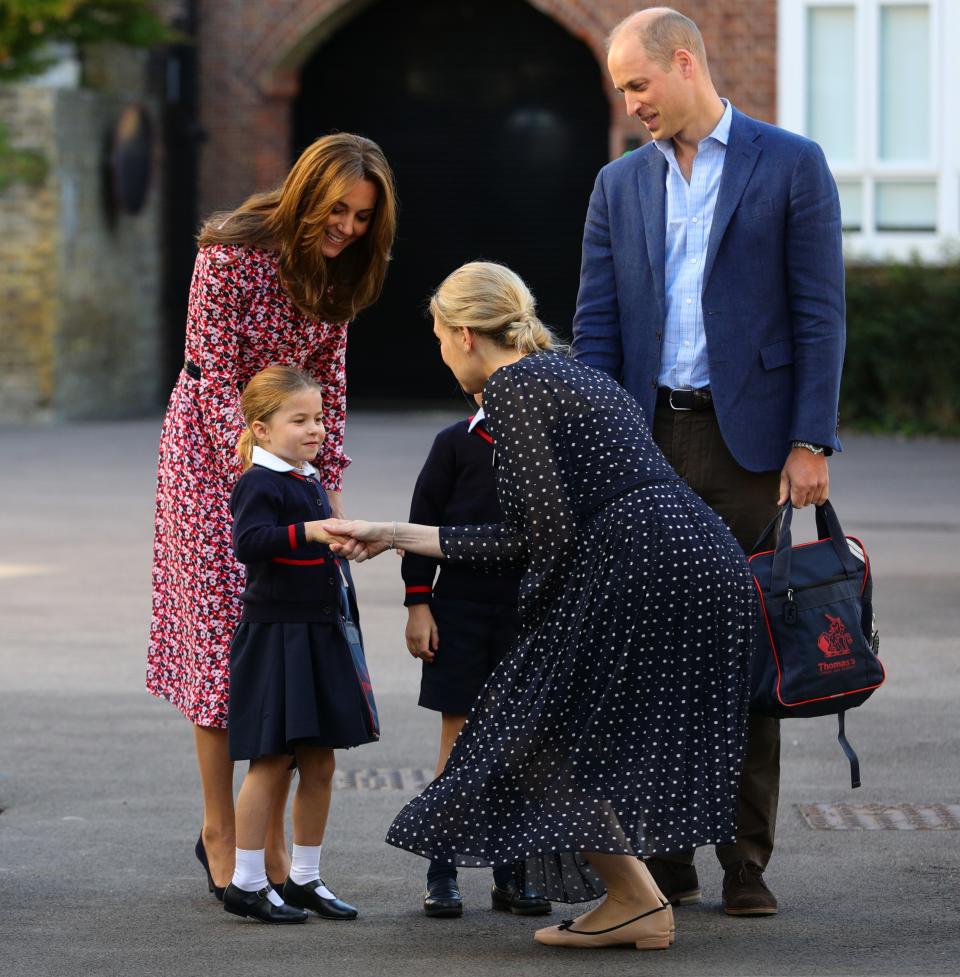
(100, 797)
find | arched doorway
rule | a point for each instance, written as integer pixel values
(495, 121)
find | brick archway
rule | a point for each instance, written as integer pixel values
(251, 53)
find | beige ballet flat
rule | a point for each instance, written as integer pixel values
(652, 930)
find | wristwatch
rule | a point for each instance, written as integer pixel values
(814, 448)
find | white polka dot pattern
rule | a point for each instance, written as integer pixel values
(618, 723)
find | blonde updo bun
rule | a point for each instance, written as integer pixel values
(493, 301)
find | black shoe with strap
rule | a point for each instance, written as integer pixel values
(306, 896)
(256, 905)
(677, 881)
(745, 893)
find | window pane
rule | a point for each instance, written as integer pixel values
(905, 94)
(831, 86)
(907, 206)
(851, 204)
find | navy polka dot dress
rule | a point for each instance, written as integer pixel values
(618, 722)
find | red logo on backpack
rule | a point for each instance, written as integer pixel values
(834, 643)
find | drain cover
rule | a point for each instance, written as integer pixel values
(409, 779)
(882, 817)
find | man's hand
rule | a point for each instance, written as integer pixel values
(423, 638)
(804, 479)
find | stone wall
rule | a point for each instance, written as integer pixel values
(79, 286)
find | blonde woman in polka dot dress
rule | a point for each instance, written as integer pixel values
(616, 727)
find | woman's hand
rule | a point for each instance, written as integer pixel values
(422, 636)
(357, 539)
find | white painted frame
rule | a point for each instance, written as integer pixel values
(943, 86)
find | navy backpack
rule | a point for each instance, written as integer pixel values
(816, 651)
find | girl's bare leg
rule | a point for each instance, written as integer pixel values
(311, 802)
(277, 854)
(449, 731)
(216, 780)
(256, 796)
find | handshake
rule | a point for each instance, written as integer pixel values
(359, 540)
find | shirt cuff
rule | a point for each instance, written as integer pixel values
(417, 594)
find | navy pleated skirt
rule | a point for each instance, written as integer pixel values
(290, 685)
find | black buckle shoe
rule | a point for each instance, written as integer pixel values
(306, 897)
(511, 898)
(678, 882)
(256, 905)
(442, 899)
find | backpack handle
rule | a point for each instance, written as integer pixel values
(828, 527)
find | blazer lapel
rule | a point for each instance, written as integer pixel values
(651, 187)
(738, 165)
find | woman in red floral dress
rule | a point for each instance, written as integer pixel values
(276, 281)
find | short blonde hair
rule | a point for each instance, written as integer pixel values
(493, 301)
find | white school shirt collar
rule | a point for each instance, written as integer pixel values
(266, 459)
(475, 420)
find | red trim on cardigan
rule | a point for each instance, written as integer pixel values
(419, 590)
(298, 563)
(292, 535)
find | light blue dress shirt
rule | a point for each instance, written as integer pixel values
(690, 207)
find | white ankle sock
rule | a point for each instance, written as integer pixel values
(250, 874)
(305, 867)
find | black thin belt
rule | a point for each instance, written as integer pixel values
(685, 398)
(192, 370)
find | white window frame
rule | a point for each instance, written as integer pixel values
(944, 88)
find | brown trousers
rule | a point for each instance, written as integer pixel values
(746, 501)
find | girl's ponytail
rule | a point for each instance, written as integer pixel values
(245, 448)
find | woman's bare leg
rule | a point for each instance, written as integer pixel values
(630, 890)
(216, 780)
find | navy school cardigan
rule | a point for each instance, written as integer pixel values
(457, 488)
(288, 579)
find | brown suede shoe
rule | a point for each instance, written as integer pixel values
(678, 882)
(745, 893)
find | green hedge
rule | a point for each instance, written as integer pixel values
(902, 366)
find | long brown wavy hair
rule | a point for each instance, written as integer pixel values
(291, 221)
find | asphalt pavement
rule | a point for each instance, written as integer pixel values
(99, 792)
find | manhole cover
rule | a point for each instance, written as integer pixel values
(409, 779)
(882, 817)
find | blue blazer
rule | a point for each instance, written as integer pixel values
(773, 289)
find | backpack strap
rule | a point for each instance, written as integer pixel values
(848, 750)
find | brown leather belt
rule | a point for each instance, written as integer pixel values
(685, 398)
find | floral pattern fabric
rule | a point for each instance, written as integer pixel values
(240, 320)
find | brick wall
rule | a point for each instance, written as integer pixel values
(251, 49)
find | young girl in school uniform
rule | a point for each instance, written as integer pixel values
(461, 626)
(295, 691)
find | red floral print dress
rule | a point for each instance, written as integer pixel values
(240, 320)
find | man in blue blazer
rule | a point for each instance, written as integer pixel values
(712, 288)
